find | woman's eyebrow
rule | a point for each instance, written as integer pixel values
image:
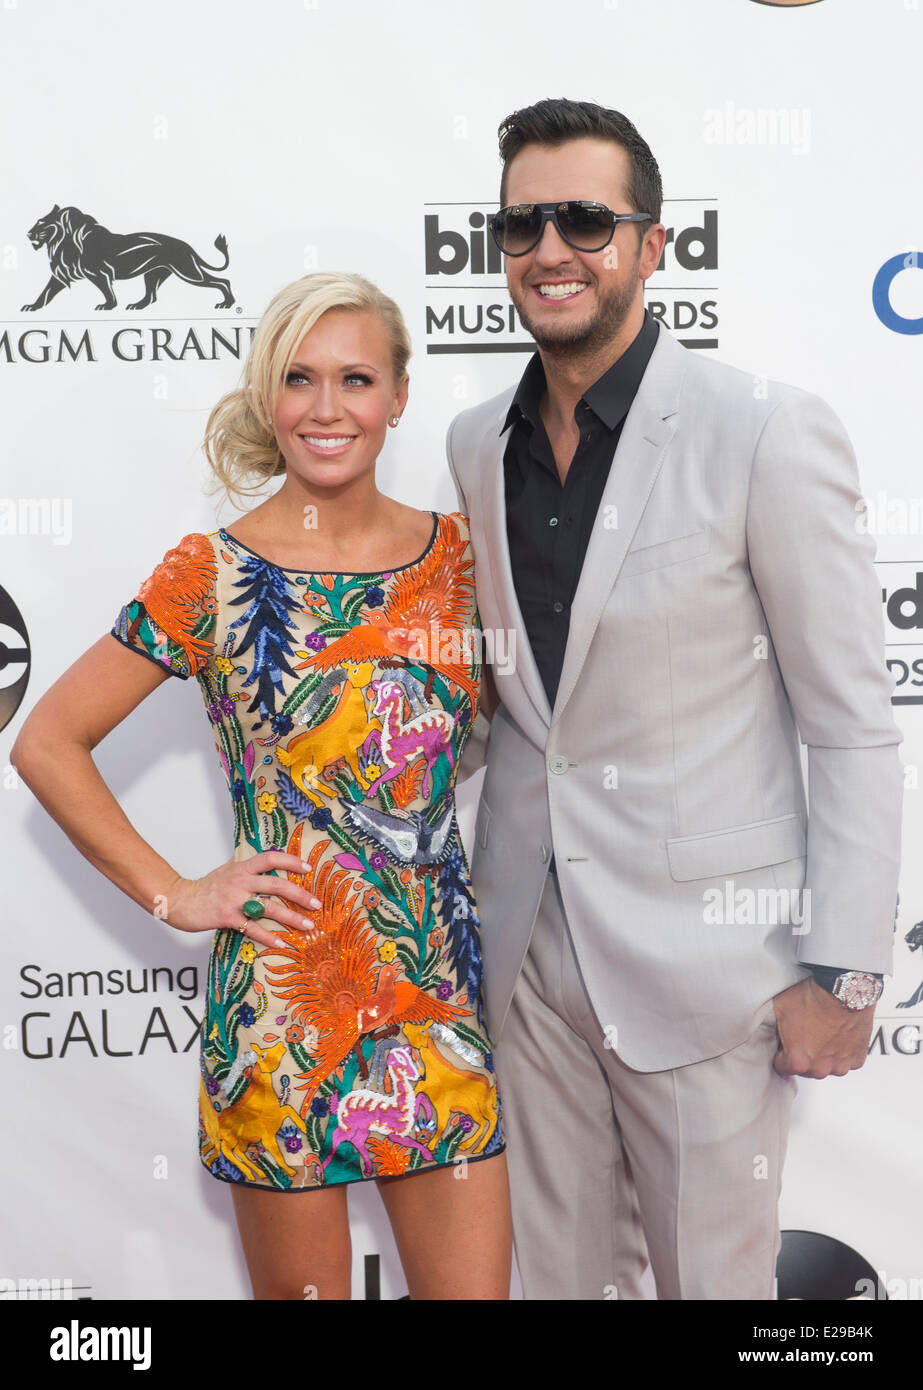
(348, 367)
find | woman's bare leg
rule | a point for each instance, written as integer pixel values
(453, 1229)
(296, 1244)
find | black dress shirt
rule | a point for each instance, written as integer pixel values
(548, 525)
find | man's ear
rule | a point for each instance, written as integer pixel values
(655, 238)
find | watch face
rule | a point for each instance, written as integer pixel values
(857, 990)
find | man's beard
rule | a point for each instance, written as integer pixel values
(591, 335)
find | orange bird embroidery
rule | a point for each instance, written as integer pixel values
(334, 980)
(429, 600)
(173, 594)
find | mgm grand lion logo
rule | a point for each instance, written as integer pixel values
(80, 248)
(914, 939)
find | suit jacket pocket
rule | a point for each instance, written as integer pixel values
(737, 849)
(652, 557)
(482, 823)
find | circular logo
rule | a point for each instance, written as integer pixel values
(15, 658)
(816, 1268)
(881, 294)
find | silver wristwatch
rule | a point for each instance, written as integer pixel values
(857, 989)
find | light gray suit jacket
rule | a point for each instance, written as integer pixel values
(727, 603)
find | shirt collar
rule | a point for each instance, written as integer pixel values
(609, 397)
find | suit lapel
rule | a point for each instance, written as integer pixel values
(493, 510)
(646, 434)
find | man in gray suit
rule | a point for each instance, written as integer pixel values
(671, 931)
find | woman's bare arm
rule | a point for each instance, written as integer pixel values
(53, 756)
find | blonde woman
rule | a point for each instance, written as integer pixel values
(330, 631)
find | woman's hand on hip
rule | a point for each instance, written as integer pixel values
(216, 901)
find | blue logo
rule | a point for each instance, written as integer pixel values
(881, 294)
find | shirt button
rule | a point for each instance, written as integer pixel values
(558, 607)
(557, 763)
(552, 521)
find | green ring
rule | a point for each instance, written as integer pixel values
(254, 908)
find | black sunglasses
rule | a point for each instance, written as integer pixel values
(584, 225)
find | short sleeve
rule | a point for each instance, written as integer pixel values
(171, 619)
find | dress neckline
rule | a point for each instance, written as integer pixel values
(287, 569)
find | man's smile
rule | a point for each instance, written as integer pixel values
(559, 289)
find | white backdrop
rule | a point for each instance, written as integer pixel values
(323, 136)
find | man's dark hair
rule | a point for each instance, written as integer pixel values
(554, 121)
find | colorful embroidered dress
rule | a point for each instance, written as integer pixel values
(340, 705)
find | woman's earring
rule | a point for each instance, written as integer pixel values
(394, 420)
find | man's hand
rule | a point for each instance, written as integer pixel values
(818, 1035)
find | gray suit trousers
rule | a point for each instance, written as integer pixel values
(611, 1167)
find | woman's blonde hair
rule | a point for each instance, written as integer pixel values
(240, 442)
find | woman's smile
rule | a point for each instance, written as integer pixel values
(327, 444)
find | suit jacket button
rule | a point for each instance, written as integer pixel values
(557, 763)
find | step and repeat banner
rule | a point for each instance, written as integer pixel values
(251, 145)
